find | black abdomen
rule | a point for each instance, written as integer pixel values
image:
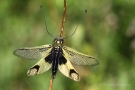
(53, 59)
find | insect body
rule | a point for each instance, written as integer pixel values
(55, 56)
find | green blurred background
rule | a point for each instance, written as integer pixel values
(106, 32)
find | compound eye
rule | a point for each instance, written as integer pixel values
(61, 41)
(55, 40)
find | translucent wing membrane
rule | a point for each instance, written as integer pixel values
(79, 58)
(39, 67)
(33, 52)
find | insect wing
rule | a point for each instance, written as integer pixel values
(39, 67)
(33, 52)
(68, 70)
(79, 58)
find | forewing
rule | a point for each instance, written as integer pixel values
(39, 67)
(33, 52)
(79, 58)
(68, 70)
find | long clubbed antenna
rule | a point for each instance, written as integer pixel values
(76, 26)
(63, 18)
(45, 22)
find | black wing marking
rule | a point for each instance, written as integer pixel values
(68, 70)
(33, 52)
(79, 58)
(39, 67)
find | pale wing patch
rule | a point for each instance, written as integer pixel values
(79, 58)
(39, 67)
(69, 71)
(33, 52)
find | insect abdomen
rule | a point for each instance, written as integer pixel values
(54, 59)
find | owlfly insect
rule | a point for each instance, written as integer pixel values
(56, 56)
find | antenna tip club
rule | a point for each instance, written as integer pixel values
(85, 11)
(41, 6)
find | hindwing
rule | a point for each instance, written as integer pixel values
(68, 70)
(40, 67)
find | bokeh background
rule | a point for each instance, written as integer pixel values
(106, 32)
